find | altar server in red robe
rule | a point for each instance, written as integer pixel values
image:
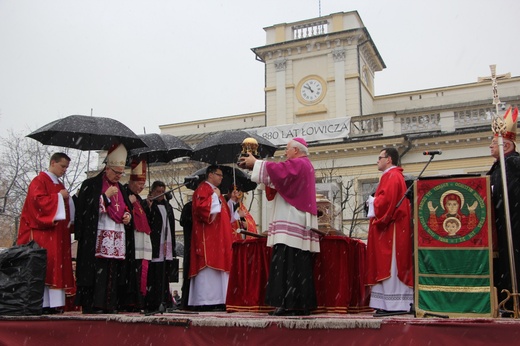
(241, 219)
(210, 260)
(389, 247)
(46, 216)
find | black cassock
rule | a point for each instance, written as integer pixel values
(102, 283)
(501, 268)
(186, 222)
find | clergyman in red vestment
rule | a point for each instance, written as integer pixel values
(210, 257)
(45, 217)
(389, 246)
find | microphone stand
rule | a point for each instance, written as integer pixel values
(407, 192)
(162, 307)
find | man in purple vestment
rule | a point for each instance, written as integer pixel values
(292, 190)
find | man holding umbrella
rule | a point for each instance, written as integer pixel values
(105, 243)
(210, 255)
(290, 286)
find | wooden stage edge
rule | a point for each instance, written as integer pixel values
(239, 328)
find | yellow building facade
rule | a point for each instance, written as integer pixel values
(319, 84)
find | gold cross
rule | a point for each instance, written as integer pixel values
(493, 78)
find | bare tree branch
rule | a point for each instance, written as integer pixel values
(21, 160)
(349, 197)
(171, 175)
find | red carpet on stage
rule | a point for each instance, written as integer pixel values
(253, 329)
(338, 271)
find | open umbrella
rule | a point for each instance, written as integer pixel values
(225, 147)
(86, 133)
(231, 175)
(160, 148)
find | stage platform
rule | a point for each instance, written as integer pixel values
(204, 328)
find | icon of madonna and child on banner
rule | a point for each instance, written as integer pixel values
(453, 211)
(453, 257)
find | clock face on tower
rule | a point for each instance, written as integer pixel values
(311, 90)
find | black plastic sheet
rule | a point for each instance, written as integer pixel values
(22, 279)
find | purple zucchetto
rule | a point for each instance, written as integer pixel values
(301, 141)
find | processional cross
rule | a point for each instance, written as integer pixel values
(499, 128)
(493, 78)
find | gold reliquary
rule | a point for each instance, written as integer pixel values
(249, 146)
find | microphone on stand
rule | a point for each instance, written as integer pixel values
(432, 152)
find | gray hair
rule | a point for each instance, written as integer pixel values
(301, 148)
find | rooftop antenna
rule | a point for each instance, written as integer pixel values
(319, 7)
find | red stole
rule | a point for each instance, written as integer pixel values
(140, 220)
(117, 207)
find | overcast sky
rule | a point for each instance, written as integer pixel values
(154, 62)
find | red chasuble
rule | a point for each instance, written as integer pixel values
(390, 190)
(211, 239)
(36, 222)
(249, 224)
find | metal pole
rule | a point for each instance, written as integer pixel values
(499, 128)
(511, 250)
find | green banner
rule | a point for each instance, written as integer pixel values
(452, 239)
(454, 261)
(455, 302)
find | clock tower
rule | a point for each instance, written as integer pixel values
(318, 69)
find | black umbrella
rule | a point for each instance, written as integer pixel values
(160, 148)
(87, 133)
(225, 147)
(242, 179)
